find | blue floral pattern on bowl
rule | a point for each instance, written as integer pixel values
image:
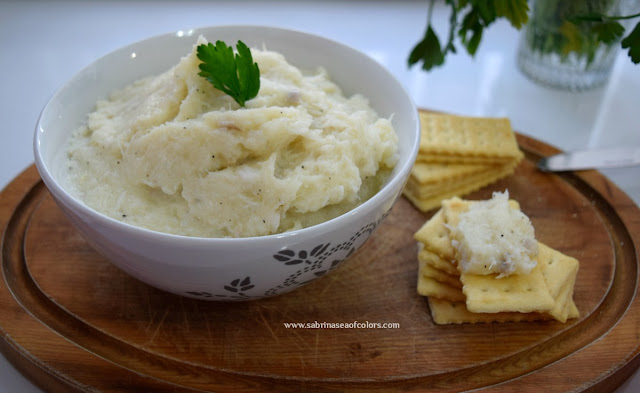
(308, 264)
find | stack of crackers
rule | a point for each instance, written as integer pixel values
(459, 155)
(457, 297)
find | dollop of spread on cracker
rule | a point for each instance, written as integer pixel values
(491, 237)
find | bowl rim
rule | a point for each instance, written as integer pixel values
(363, 209)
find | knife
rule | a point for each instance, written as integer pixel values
(591, 159)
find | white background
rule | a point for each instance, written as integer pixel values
(43, 43)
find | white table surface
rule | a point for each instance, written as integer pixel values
(43, 43)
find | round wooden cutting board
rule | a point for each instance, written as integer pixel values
(71, 321)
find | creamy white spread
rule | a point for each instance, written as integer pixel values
(492, 237)
(173, 154)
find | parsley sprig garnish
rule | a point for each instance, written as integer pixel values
(609, 30)
(235, 74)
(469, 18)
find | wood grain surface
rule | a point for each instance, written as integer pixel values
(71, 321)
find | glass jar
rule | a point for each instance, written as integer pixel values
(555, 52)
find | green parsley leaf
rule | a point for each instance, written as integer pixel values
(467, 22)
(486, 12)
(428, 50)
(514, 10)
(632, 42)
(471, 29)
(608, 31)
(236, 75)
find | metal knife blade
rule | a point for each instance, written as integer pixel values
(591, 159)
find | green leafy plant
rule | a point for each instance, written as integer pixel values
(608, 30)
(582, 31)
(235, 74)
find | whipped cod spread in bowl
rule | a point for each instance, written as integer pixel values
(190, 190)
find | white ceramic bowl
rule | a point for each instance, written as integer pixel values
(225, 268)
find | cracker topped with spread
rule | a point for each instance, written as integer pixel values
(479, 262)
(491, 236)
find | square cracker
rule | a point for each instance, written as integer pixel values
(439, 275)
(486, 293)
(515, 293)
(447, 312)
(573, 311)
(424, 173)
(428, 286)
(471, 180)
(545, 293)
(559, 272)
(433, 158)
(432, 198)
(558, 269)
(564, 306)
(430, 203)
(435, 237)
(435, 261)
(467, 139)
